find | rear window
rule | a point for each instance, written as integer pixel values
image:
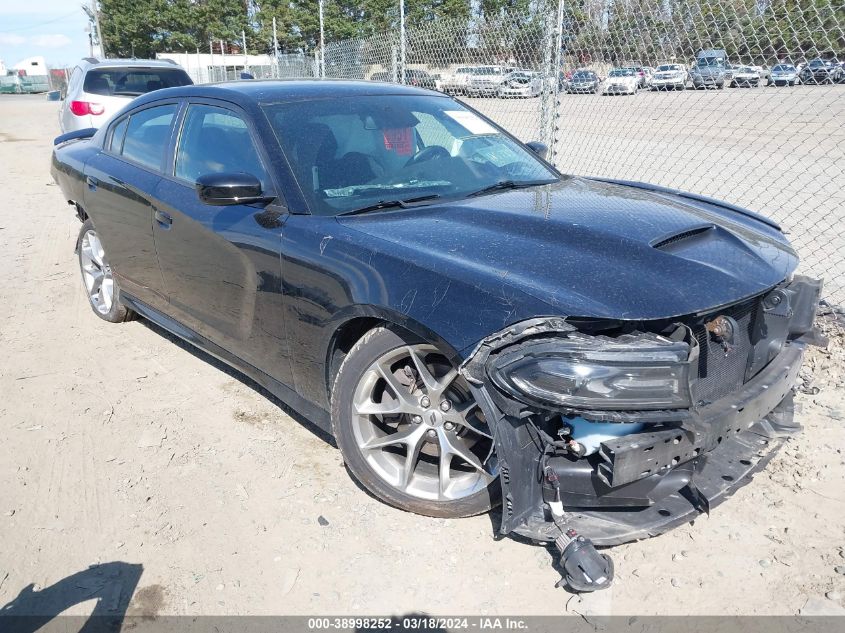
(132, 81)
(147, 135)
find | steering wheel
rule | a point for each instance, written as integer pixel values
(428, 153)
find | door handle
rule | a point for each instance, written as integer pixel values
(92, 183)
(163, 219)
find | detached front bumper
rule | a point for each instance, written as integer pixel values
(678, 464)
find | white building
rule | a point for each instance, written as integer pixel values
(206, 67)
(31, 66)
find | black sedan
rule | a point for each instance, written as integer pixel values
(585, 81)
(467, 322)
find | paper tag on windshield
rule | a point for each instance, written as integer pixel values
(398, 140)
(473, 123)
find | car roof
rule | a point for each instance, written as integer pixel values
(93, 62)
(266, 91)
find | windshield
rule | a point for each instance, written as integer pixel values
(582, 75)
(783, 68)
(350, 153)
(667, 68)
(133, 81)
(621, 72)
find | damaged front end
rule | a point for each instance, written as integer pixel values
(608, 432)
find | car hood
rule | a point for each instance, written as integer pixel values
(592, 249)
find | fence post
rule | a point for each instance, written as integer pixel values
(277, 71)
(322, 44)
(550, 80)
(555, 112)
(401, 41)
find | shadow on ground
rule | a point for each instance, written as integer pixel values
(112, 585)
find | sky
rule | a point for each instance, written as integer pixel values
(52, 28)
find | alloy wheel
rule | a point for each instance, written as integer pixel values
(418, 427)
(96, 273)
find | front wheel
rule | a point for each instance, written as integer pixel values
(100, 286)
(409, 429)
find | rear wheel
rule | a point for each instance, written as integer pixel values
(409, 429)
(100, 286)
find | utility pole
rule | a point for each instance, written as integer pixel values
(246, 60)
(401, 41)
(212, 74)
(322, 44)
(95, 35)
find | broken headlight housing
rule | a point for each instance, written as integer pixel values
(630, 372)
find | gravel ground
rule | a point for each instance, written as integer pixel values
(122, 445)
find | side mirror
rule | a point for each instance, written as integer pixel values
(224, 189)
(541, 149)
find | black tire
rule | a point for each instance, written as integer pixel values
(372, 346)
(117, 312)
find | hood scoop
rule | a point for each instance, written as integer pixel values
(672, 241)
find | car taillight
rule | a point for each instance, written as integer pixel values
(81, 108)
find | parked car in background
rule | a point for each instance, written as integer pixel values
(97, 88)
(456, 83)
(643, 77)
(413, 77)
(485, 80)
(520, 83)
(745, 76)
(420, 79)
(822, 71)
(670, 76)
(783, 75)
(711, 68)
(13, 83)
(583, 81)
(621, 81)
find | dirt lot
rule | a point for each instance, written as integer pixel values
(121, 445)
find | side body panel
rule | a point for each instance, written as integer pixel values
(333, 274)
(222, 273)
(119, 199)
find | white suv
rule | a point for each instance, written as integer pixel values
(97, 89)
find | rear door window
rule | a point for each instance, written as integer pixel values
(147, 135)
(132, 81)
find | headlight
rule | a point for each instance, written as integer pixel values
(632, 372)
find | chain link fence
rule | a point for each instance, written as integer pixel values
(765, 129)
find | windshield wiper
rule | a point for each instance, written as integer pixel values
(392, 204)
(508, 184)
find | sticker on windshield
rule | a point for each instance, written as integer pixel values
(473, 123)
(398, 140)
